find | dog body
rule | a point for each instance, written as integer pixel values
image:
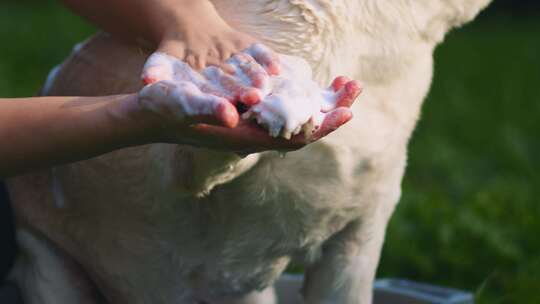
(175, 224)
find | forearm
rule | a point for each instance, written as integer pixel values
(47, 131)
(134, 19)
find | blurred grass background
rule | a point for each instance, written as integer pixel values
(469, 216)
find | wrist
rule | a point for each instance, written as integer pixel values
(140, 126)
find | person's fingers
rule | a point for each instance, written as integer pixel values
(215, 86)
(332, 121)
(200, 62)
(348, 93)
(184, 103)
(266, 57)
(161, 66)
(339, 82)
(227, 68)
(225, 114)
(224, 50)
(251, 96)
(158, 67)
(191, 60)
(154, 74)
(232, 86)
(345, 95)
(247, 66)
(201, 107)
(213, 53)
(213, 60)
(173, 47)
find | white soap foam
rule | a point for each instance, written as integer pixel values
(296, 102)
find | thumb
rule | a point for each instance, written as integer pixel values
(225, 114)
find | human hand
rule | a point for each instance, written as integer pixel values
(183, 103)
(246, 81)
(248, 137)
(244, 77)
(185, 115)
(297, 104)
(199, 36)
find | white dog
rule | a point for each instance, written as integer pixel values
(175, 224)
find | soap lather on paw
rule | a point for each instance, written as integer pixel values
(277, 91)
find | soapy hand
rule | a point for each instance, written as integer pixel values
(244, 77)
(201, 37)
(182, 102)
(285, 104)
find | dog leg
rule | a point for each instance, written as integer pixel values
(346, 270)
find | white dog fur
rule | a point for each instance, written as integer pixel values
(175, 224)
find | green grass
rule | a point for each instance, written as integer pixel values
(470, 212)
(469, 216)
(35, 36)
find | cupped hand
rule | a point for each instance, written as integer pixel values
(244, 77)
(199, 108)
(297, 104)
(186, 115)
(183, 103)
(248, 137)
